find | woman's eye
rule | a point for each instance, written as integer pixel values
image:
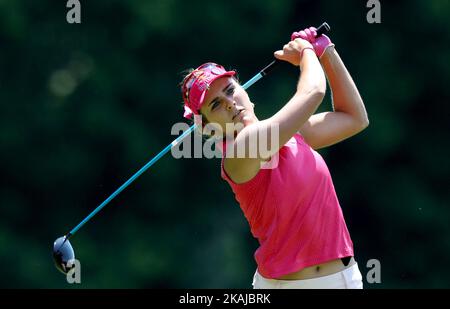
(230, 91)
(215, 104)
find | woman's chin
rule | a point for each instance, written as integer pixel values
(247, 120)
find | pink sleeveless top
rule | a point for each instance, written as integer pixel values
(293, 211)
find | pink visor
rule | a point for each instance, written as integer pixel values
(197, 83)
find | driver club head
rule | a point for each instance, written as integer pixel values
(63, 254)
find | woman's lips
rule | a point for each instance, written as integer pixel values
(238, 114)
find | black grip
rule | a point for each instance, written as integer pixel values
(323, 28)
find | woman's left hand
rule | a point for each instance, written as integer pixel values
(320, 43)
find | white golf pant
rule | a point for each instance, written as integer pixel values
(349, 278)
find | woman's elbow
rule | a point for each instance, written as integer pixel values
(320, 88)
(321, 91)
(318, 92)
(361, 116)
(363, 123)
(365, 119)
(366, 122)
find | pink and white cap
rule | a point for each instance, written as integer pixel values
(197, 83)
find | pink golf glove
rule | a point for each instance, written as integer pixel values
(320, 44)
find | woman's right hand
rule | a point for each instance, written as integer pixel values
(293, 51)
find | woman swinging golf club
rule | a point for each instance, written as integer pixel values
(290, 204)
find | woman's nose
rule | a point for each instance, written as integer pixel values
(230, 105)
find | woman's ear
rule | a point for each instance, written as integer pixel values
(200, 120)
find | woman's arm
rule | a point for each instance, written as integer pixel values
(289, 119)
(310, 92)
(349, 114)
(346, 97)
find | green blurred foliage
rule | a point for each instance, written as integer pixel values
(84, 106)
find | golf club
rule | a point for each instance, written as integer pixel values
(63, 252)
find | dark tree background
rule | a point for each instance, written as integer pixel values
(84, 106)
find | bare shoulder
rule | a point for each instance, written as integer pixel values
(241, 170)
(251, 147)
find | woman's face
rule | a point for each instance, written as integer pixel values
(227, 102)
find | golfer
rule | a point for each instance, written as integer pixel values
(286, 193)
